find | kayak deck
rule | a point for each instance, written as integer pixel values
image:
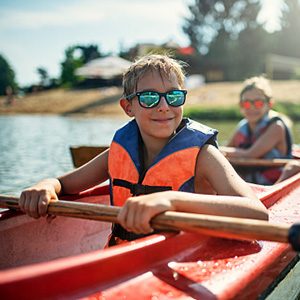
(161, 266)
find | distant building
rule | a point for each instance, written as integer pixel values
(282, 67)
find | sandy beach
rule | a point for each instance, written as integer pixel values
(105, 100)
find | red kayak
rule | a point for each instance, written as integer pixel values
(41, 260)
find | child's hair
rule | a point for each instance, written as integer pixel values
(164, 64)
(260, 83)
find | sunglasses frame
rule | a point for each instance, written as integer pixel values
(139, 94)
(252, 102)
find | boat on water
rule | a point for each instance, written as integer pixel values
(65, 259)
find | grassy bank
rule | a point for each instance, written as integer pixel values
(212, 101)
(232, 112)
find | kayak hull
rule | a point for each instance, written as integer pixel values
(24, 240)
(161, 266)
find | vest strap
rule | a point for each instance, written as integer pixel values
(119, 232)
(137, 189)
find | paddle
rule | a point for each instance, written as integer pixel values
(259, 162)
(227, 227)
(82, 154)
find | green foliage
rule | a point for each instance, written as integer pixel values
(74, 60)
(68, 67)
(248, 54)
(211, 19)
(288, 42)
(88, 52)
(228, 37)
(213, 113)
(44, 76)
(290, 109)
(7, 76)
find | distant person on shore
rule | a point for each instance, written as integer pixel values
(158, 161)
(263, 133)
(10, 97)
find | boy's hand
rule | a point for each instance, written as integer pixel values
(137, 212)
(34, 200)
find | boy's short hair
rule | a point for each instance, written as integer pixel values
(260, 83)
(164, 64)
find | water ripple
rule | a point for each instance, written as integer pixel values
(37, 147)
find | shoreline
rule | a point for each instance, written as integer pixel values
(105, 101)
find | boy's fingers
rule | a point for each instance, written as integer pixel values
(26, 205)
(33, 207)
(43, 205)
(130, 219)
(141, 223)
(144, 222)
(122, 216)
(22, 201)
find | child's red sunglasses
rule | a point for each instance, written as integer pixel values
(248, 103)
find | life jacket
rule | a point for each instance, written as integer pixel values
(172, 169)
(244, 138)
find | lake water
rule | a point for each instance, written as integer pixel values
(33, 147)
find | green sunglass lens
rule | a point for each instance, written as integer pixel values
(149, 99)
(175, 98)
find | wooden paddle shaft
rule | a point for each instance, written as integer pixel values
(258, 162)
(220, 226)
(83, 154)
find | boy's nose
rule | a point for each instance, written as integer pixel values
(163, 104)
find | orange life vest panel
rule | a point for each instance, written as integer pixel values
(172, 169)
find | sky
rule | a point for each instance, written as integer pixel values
(36, 33)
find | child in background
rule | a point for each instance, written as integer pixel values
(263, 133)
(158, 161)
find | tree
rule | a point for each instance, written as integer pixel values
(213, 18)
(288, 43)
(7, 76)
(68, 67)
(75, 57)
(89, 52)
(44, 76)
(218, 29)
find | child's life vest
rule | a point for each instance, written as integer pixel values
(172, 169)
(244, 138)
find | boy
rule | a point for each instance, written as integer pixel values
(170, 161)
(263, 133)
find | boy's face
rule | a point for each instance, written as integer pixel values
(254, 105)
(161, 121)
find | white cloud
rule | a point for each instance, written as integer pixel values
(37, 34)
(91, 11)
(61, 16)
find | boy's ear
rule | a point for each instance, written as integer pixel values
(127, 107)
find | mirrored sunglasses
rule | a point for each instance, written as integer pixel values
(150, 99)
(257, 103)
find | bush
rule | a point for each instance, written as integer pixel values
(290, 109)
(229, 113)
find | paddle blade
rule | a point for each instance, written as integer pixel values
(294, 236)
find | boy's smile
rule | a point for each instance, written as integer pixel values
(157, 124)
